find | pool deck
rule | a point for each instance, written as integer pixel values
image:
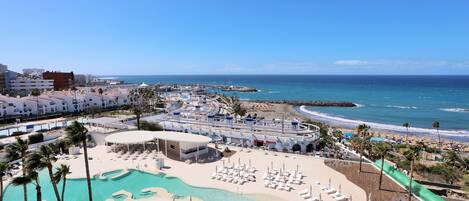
(199, 174)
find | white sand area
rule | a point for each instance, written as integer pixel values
(199, 175)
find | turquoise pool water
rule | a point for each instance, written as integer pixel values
(134, 182)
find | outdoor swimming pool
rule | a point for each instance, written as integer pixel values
(133, 182)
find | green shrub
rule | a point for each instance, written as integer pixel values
(36, 138)
(150, 126)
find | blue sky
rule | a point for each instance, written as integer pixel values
(237, 37)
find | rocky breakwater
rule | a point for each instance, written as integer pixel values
(313, 103)
(237, 88)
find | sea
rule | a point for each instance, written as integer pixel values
(384, 102)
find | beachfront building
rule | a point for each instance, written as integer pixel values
(175, 145)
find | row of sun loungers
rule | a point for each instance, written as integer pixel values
(307, 194)
(282, 180)
(291, 177)
(137, 155)
(237, 174)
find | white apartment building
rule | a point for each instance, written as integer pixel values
(54, 102)
(29, 84)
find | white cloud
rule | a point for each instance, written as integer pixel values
(351, 62)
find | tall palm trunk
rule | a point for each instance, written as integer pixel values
(102, 103)
(38, 192)
(25, 188)
(63, 188)
(411, 177)
(1, 188)
(439, 139)
(37, 107)
(138, 121)
(381, 173)
(361, 150)
(88, 180)
(54, 183)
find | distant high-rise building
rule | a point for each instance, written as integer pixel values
(61, 80)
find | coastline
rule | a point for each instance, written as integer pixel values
(275, 110)
(459, 135)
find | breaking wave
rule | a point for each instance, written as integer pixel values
(401, 107)
(455, 109)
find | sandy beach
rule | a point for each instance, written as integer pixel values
(271, 111)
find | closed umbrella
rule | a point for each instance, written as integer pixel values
(329, 182)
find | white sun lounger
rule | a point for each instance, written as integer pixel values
(306, 196)
(330, 191)
(341, 198)
(305, 191)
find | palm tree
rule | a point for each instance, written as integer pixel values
(19, 149)
(406, 125)
(137, 111)
(142, 101)
(363, 129)
(31, 177)
(61, 174)
(36, 93)
(100, 91)
(3, 169)
(381, 150)
(452, 158)
(238, 110)
(412, 154)
(436, 125)
(43, 158)
(77, 134)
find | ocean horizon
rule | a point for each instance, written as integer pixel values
(384, 101)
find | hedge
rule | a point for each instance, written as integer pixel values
(35, 138)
